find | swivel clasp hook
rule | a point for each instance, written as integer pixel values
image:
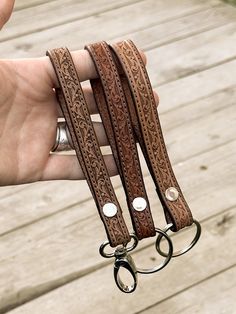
(123, 259)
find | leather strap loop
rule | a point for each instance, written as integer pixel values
(113, 109)
(75, 110)
(147, 127)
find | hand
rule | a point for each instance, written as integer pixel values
(28, 117)
(6, 7)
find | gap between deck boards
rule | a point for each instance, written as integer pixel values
(195, 285)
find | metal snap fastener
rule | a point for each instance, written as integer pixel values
(172, 194)
(109, 209)
(139, 204)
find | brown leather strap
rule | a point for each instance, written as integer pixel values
(147, 127)
(115, 115)
(78, 119)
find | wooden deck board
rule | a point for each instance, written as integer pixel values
(183, 27)
(193, 54)
(23, 4)
(117, 21)
(214, 295)
(32, 20)
(46, 232)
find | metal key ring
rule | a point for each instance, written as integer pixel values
(128, 249)
(184, 250)
(168, 256)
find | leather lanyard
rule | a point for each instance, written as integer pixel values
(115, 116)
(146, 124)
(75, 110)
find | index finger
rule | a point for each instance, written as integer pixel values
(83, 63)
(6, 7)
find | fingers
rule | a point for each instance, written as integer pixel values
(83, 63)
(100, 133)
(156, 97)
(90, 100)
(6, 7)
(66, 167)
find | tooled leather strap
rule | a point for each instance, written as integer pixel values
(75, 110)
(147, 127)
(114, 112)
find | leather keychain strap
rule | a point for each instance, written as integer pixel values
(146, 124)
(113, 109)
(75, 110)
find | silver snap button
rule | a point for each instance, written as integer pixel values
(139, 204)
(172, 194)
(109, 209)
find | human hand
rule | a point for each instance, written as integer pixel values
(28, 118)
(6, 7)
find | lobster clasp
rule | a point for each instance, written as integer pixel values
(123, 259)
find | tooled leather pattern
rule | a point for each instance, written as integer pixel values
(87, 148)
(104, 113)
(124, 145)
(149, 123)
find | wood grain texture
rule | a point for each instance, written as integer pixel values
(117, 21)
(196, 86)
(193, 54)
(60, 242)
(161, 34)
(176, 278)
(50, 232)
(22, 4)
(213, 295)
(32, 19)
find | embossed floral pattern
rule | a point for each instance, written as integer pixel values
(177, 212)
(85, 142)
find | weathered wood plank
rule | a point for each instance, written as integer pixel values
(192, 55)
(36, 19)
(187, 124)
(196, 86)
(183, 27)
(198, 109)
(22, 4)
(10, 190)
(178, 276)
(117, 21)
(215, 295)
(204, 134)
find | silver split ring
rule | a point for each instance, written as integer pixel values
(186, 248)
(63, 139)
(167, 256)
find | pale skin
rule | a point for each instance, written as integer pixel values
(28, 117)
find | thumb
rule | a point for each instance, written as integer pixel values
(6, 7)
